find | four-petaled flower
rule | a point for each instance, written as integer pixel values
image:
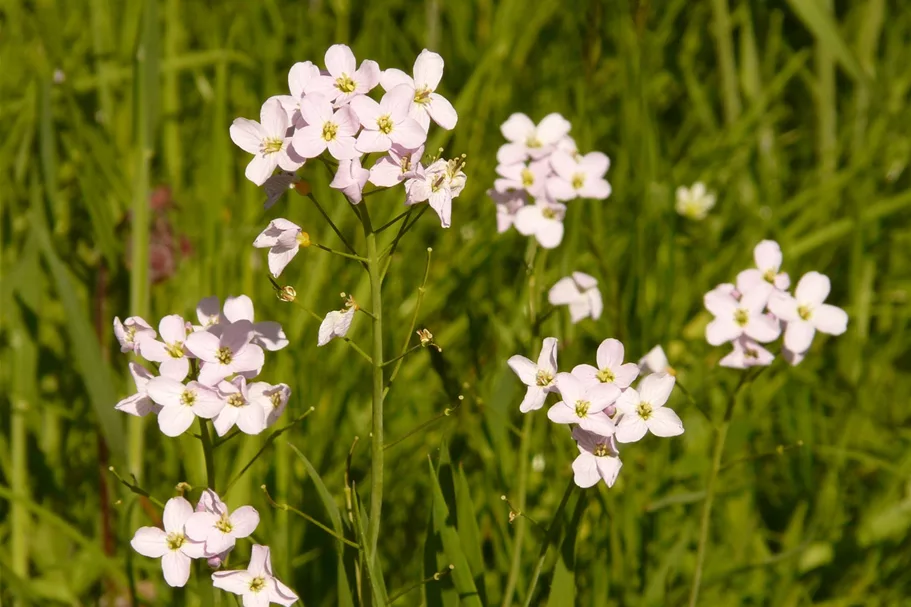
(543, 220)
(350, 178)
(583, 404)
(182, 404)
(746, 353)
(238, 409)
(579, 292)
(273, 399)
(387, 122)
(395, 167)
(426, 104)
(267, 334)
(267, 140)
(139, 404)
(219, 530)
(527, 139)
(805, 313)
(765, 277)
(538, 377)
(171, 545)
(598, 459)
(531, 177)
(170, 351)
(610, 369)
(346, 82)
(327, 128)
(579, 177)
(131, 331)
(256, 584)
(437, 184)
(283, 239)
(227, 354)
(735, 318)
(642, 410)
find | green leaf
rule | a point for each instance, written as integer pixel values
(821, 22)
(469, 534)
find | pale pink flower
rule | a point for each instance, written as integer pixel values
(170, 351)
(273, 399)
(508, 205)
(131, 331)
(598, 459)
(347, 82)
(139, 404)
(304, 78)
(171, 545)
(765, 277)
(543, 220)
(350, 178)
(427, 104)
(239, 409)
(527, 139)
(256, 584)
(746, 353)
(655, 361)
(580, 292)
(335, 324)
(582, 404)
(211, 503)
(395, 167)
(642, 410)
(326, 129)
(735, 318)
(267, 140)
(283, 239)
(266, 334)
(611, 368)
(220, 530)
(182, 404)
(581, 177)
(226, 354)
(805, 313)
(437, 184)
(538, 377)
(387, 122)
(531, 177)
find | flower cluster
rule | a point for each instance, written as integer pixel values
(203, 370)
(600, 404)
(759, 307)
(329, 115)
(211, 531)
(540, 169)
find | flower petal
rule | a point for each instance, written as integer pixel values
(813, 288)
(664, 422)
(656, 388)
(585, 471)
(150, 541)
(830, 319)
(176, 512)
(523, 368)
(535, 396)
(630, 429)
(798, 336)
(176, 568)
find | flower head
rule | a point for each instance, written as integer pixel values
(642, 410)
(267, 140)
(139, 404)
(579, 177)
(580, 293)
(283, 239)
(238, 409)
(508, 205)
(351, 178)
(170, 351)
(131, 331)
(327, 128)
(347, 82)
(256, 584)
(765, 277)
(437, 184)
(266, 334)
(182, 404)
(387, 122)
(598, 459)
(805, 313)
(303, 78)
(734, 318)
(531, 177)
(583, 404)
(611, 368)
(538, 377)
(746, 353)
(220, 530)
(336, 324)
(397, 166)
(273, 399)
(227, 354)
(529, 140)
(543, 220)
(171, 545)
(426, 103)
(695, 202)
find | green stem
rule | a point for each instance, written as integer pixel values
(339, 253)
(414, 319)
(376, 436)
(548, 540)
(207, 450)
(309, 519)
(332, 224)
(710, 489)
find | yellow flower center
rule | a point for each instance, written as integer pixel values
(582, 408)
(385, 124)
(223, 524)
(769, 276)
(276, 399)
(741, 317)
(224, 355)
(130, 333)
(602, 450)
(330, 129)
(188, 398)
(303, 239)
(605, 376)
(422, 95)
(236, 400)
(804, 312)
(750, 353)
(271, 146)
(578, 180)
(257, 584)
(528, 178)
(175, 540)
(549, 213)
(544, 378)
(644, 410)
(533, 142)
(345, 84)
(175, 350)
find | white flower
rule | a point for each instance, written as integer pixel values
(336, 324)
(598, 459)
(655, 361)
(427, 104)
(508, 205)
(580, 293)
(805, 313)
(583, 404)
(765, 276)
(437, 184)
(283, 239)
(139, 404)
(256, 583)
(220, 530)
(226, 354)
(170, 352)
(610, 369)
(746, 353)
(396, 167)
(182, 404)
(172, 545)
(348, 83)
(267, 334)
(267, 140)
(351, 178)
(387, 122)
(643, 410)
(543, 220)
(528, 140)
(694, 203)
(273, 399)
(131, 331)
(538, 377)
(735, 318)
(238, 409)
(579, 176)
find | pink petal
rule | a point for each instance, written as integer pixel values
(348, 123)
(610, 354)
(719, 304)
(762, 328)
(428, 70)
(523, 368)
(552, 128)
(586, 373)
(550, 234)
(250, 358)
(585, 471)
(601, 395)
(150, 542)
(260, 168)
(830, 319)
(563, 292)
(518, 128)
(279, 257)
(626, 374)
(176, 512)
(367, 111)
(784, 307)
(595, 164)
(721, 330)
(203, 345)
(237, 582)
(174, 421)
(564, 165)
(260, 561)
(813, 288)
(409, 134)
(512, 153)
(547, 359)
(392, 77)
(274, 119)
(656, 388)
(560, 189)
(309, 142)
(664, 423)
(343, 148)
(208, 402)
(270, 335)
(367, 76)
(442, 112)
(244, 520)
(630, 429)
(251, 419)
(247, 134)
(239, 308)
(397, 102)
(172, 329)
(609, 468)
(599, 424)
(372, 141)
(798, 336)
(570, 387)
(561, 413)
(597, 189)
(165, 391)
(340, 60)
(534, 399)
(176, 568)
(767, 256)
(225, 420)
(200, 525)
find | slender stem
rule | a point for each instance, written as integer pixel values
(710, 490)
(446, 413)
(347, 340)
(332, 224)
(208, 451)
(339, 253)
(135, 488)
(414, 319)
(390, 250)
(376, 435)
(395, 219)
(309, 519)
(433, 578)
(403, 354)
(548, 540)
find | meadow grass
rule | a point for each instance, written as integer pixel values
(794, 112)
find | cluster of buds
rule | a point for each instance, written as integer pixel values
(203, 370)
(539, 169)
(600, 404)
(759, 308)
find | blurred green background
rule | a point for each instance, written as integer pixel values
(114, 150)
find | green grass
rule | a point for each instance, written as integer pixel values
(797, 116)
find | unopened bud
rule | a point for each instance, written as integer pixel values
(302, 187)
(287, 293)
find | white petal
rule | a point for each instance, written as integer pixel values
(524, 369)
(547, 359)
(830, 319)
(534, 399)
(812, 288)
(656, 388)
(585, 471)
(150, 542)
(630, 429)
(664, 422)
(176, 568)
(798, 336)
